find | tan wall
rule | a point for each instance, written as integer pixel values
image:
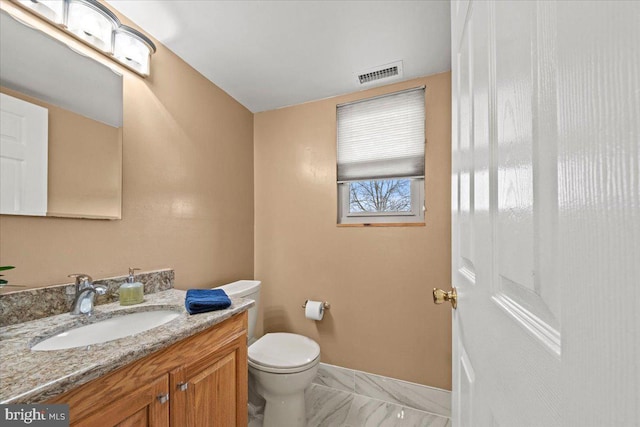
(187, 191)
(378, 280)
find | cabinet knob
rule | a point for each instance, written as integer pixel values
(183, 386)
(163, 398)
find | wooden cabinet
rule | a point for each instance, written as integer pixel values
(212, 389)
(143, 407)
(198, 382)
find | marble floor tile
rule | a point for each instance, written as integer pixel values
(326, 407)
(255, 413)
(403, 393)
(367, 412)
(336, 377)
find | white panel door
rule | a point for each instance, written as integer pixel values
(23, 157)
(546, 213)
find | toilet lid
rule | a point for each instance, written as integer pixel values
(283, 350)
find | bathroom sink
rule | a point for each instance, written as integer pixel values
(107, 330)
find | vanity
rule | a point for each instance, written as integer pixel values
(190, 371)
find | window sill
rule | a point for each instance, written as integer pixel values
(384, 224)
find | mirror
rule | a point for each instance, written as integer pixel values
(83, 100)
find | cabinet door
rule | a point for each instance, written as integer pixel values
(211, 392)
(142, 408)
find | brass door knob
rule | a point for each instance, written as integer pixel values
(440, 296)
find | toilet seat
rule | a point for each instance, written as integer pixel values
(293, 370)
(284, 353)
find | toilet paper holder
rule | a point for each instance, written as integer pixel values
(325, 305)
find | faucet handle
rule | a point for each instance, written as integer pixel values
(82, 280)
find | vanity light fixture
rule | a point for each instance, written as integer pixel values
(52, 10)
(92, 22)
(133, 48)
(96, 25)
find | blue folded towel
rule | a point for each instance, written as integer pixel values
(204, 300)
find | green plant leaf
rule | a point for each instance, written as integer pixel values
(7, 267)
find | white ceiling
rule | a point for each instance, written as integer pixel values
(270, 54)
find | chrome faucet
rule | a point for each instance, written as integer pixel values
(85, 294)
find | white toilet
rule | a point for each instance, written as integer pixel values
(283, 365)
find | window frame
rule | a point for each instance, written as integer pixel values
(415, 216)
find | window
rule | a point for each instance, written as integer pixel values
(381, 159)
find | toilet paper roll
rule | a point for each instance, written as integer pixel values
(314, 310)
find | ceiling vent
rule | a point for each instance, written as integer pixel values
(387, 72)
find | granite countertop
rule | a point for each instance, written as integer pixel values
(35, 376)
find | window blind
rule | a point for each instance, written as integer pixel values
(382, 137)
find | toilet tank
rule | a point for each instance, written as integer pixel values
(246, 289)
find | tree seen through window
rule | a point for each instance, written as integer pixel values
(387, 195)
